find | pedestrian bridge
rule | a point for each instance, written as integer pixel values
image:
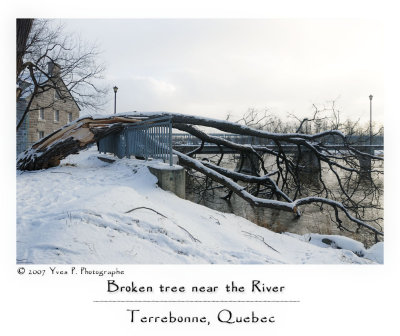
(186, 143)
(153, 138)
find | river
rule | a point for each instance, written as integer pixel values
(312, 220)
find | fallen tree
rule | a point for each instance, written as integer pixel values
(278, 186)
(70, 139)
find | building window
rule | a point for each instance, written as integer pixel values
(41, 134)
(56, 115)
(41, 113)
(69, 116)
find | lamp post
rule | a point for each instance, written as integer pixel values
(115, 99)
(370, 120)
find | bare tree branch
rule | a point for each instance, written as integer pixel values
(298, 169)
(78, 72)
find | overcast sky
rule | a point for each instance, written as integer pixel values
(214, 67)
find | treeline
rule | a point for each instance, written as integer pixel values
(322, 119)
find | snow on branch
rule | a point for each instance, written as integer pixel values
(287, 170)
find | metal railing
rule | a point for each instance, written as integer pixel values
(188, 139)
(151, 138)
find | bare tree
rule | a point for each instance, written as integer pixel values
(24, 27)
(74, 63)
(334, 167)
(282, 185)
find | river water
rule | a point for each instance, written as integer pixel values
(312, 220)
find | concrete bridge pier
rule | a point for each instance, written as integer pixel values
(248, 164)
(170, 179)
(309, 163)
(365, 162)
(309, 167)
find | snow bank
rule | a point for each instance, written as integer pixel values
(374, 253)
(90, 211)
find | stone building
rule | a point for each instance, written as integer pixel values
(49, 110)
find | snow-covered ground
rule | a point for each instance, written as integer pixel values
(90, 211)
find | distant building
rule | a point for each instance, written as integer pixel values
(49, 110)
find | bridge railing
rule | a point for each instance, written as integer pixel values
(151, 138)
(188, 139)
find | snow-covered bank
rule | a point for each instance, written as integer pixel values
(90, 211)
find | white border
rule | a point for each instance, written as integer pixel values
(335, 299)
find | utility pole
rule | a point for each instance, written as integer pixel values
(370, 120)
(115, 99)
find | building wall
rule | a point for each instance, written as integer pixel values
(48, 125)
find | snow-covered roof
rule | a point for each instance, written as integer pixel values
(25, 82)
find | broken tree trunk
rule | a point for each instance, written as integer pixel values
(49, 151)
(281, 186)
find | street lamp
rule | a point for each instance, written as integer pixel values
(115, 99)
(370, 120)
